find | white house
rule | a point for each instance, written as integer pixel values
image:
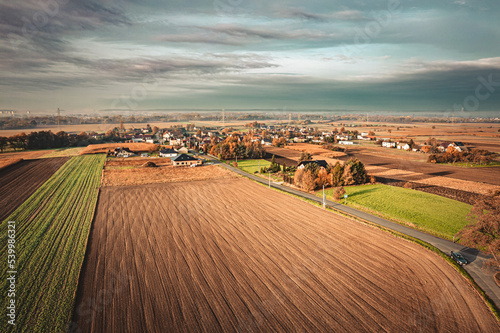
(389, 144)
(168, 153)
(345, 142)
(403, 146)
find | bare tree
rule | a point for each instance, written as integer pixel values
(483, 232)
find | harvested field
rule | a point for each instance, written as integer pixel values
(5, 162)
(104, 147)
(315, 150)
(163, 174)
(18, 182)
(283, 152)
(432, 174)
(135, 161)
(27, 155)
(230, 255)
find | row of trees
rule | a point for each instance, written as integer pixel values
(312, 176)
(231, 148)
(49, 140)
(475, 156)
(483, 232)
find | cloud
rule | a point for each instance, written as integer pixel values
(343, 15)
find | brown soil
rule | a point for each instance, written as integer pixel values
(315, 150)
(18, 182)
(26, 155)
(5, 162)
(162, 174)
(230, 255)
(137, 147)
(422, 170)
(136, 161)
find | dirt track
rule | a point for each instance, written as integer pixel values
(230, 255)
(19, 181)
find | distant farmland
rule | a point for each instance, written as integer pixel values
(51, 233)
(231, 255)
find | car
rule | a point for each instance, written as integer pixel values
(459, 258)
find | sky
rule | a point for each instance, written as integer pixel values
(87, 56)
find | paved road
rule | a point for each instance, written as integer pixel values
(475, 258)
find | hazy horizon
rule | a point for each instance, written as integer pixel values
(345, 56)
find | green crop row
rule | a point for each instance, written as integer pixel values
(52, 227)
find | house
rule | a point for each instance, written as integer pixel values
(123, 152)
(320, 163)
(389, 144)
(299, 139)
(266, 142)
(403, 146)
(183, 150)
(175, 142)
(144, 155)
(167, 153)
(346, 142)
(458, 146)
(443, 146)
(185, 160)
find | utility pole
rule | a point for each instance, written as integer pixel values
(269, 179)
(324, 200)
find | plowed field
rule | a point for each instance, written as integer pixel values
(19, 181)
(230, 255)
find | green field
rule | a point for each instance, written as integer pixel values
(251, 166)
(51, 230)
(431, 213)
(63, 152)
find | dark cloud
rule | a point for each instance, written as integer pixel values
(344, 15)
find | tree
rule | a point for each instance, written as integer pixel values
(336, 174)
(322, 178)
(308, 181)
(297, 179)
(304, 156)
(373, 180)
(483, 232)
(3, 143)
(358, 171)
(347, 176)
(338, 193)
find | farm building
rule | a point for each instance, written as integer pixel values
(123, 152)
(343, 142)
(388, 144)
(403, 146)
(266, 142)
(185, 160)
(320, 163)
(168, 153)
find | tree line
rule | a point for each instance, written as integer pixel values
(235, 147)
(49, 140)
